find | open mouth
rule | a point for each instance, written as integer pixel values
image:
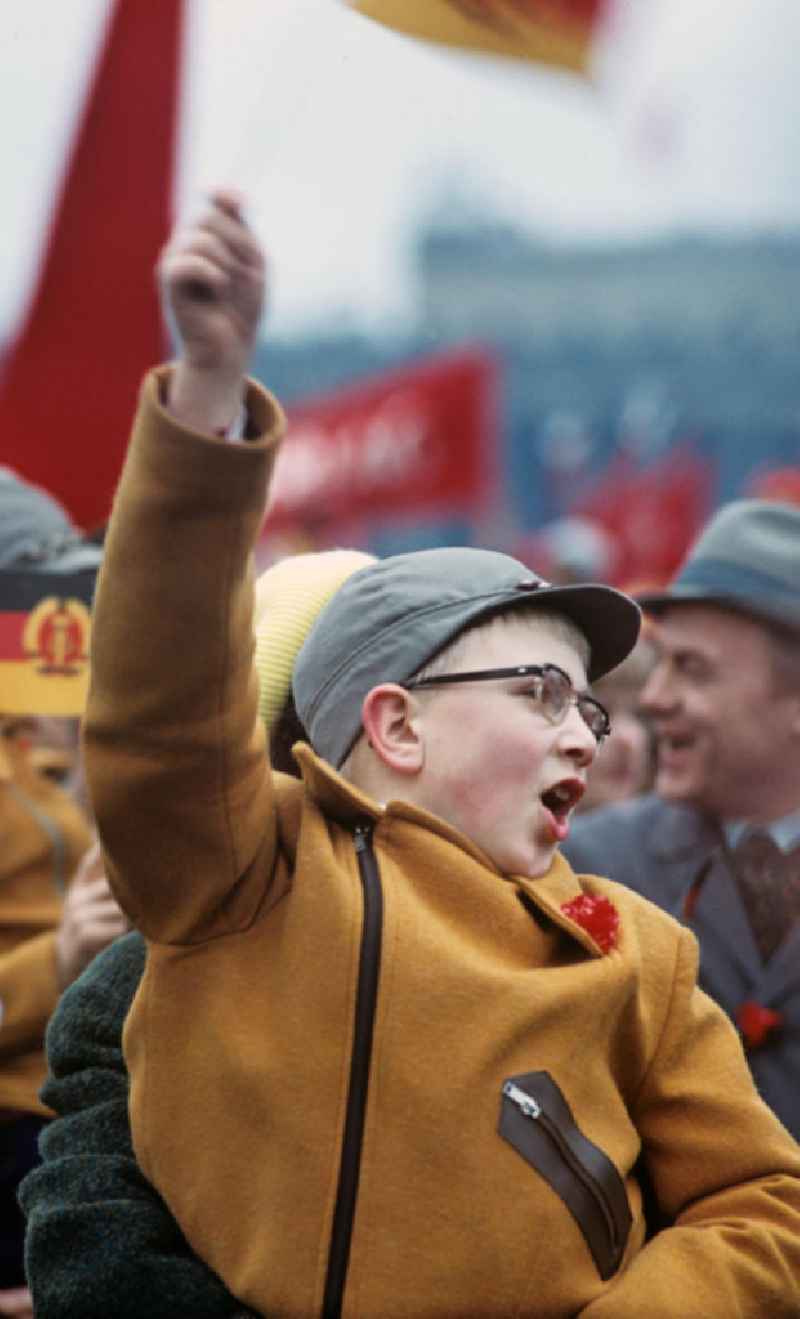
(674, 745)
(559, 802)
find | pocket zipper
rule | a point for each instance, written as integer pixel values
(531, 1108)
(528, 1106)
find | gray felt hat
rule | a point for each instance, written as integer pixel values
(36, 534)
(390, 618)
(746, 559)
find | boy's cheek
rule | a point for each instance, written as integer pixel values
(499, 795)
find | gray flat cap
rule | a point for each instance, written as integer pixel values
(390, 618)
(36, 534)
(746, 559)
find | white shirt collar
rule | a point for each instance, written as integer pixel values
(785, 832)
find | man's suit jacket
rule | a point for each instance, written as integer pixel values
(676, 858)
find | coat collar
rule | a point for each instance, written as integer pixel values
(334, 795)
(551, 892)
(347, 804)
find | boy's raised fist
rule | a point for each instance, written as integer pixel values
(212, 278)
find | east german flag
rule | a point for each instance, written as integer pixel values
(44, 641)
(556, 32)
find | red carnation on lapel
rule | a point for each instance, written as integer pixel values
(757, 1023)
(597, 916)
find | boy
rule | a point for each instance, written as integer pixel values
(390, 1056)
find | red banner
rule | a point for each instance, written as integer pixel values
(409, 443)
(69, 386)
(652, 515)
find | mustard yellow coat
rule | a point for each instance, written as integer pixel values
(487, 998)
(44, 834)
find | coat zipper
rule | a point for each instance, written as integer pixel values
(531, 1108)
(366, 995)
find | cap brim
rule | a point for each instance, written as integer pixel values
(657, 601)
(83, 556)
(21, 591)
(609, 620)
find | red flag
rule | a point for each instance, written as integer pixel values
(653, 514)
(781, 483)
(69, 386)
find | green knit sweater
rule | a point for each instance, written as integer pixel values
(100, 1241)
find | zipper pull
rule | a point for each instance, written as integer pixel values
(361, 836)
(528, 1106)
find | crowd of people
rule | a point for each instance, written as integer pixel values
(56, 909)
(717, 842)
(439, 954)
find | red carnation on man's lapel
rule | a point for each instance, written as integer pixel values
(757, 1023)
(597, 916)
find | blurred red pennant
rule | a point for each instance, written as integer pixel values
(653, 514)
(69, 387)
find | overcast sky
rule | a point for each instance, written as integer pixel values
(343, 135)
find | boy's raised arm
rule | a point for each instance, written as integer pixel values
(174, 747)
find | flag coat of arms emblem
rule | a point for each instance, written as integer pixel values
(44, 642)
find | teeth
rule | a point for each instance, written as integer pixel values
(562, 794)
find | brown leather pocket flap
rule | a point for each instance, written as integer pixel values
(537, 1121)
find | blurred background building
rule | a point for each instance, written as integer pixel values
(666, 368)
(511, 307)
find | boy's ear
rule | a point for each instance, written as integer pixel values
(389, 719)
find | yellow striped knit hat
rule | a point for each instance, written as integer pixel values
(289, 596)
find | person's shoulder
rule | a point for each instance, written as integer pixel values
(661, 827)
(634, 814)
(611, 839)
(118, 966)
(96, 1004)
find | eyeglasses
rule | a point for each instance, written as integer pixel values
(552, 691)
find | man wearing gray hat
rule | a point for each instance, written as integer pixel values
(390, 1055)
(718, 843)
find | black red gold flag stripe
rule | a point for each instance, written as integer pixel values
(44, 641)
(558, 32)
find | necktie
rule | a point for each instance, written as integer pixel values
(769, 883)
